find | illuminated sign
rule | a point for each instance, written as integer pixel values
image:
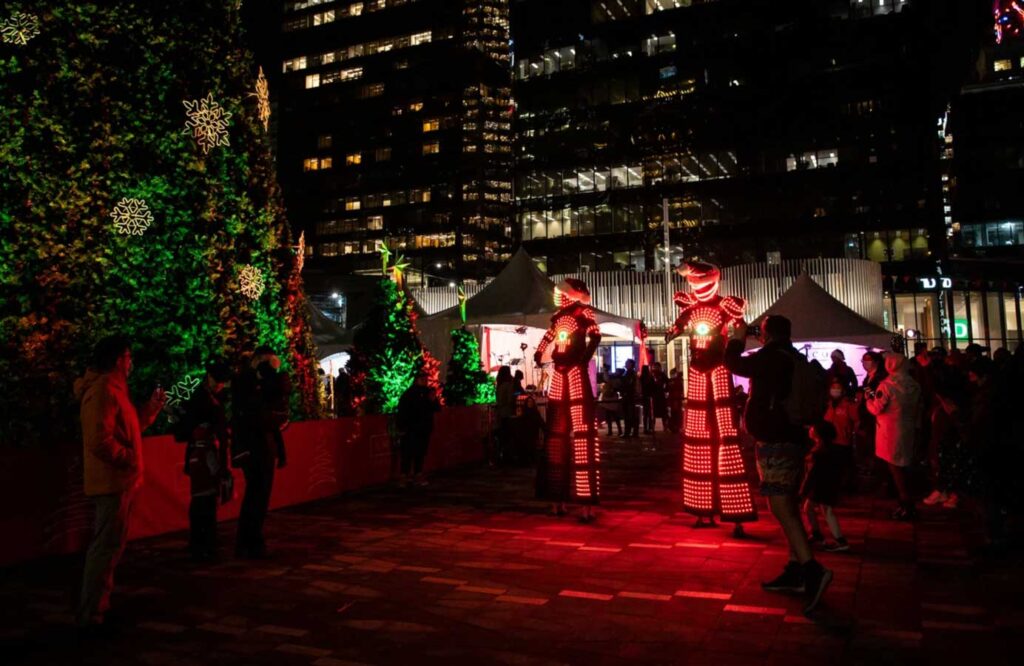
(960, 329)
(935, 282)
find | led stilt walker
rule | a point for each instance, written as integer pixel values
(714, 475)
(572, 458)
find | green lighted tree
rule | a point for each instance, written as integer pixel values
(92, 115)
(466, 382)
(387, 353)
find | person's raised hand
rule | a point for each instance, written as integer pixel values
(739, 331)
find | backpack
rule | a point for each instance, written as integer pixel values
(808, 394)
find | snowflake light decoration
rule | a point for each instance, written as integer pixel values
(263, 100)
(251, 281)
(182, 391)
(131, 216)
(207, 122)
(19, 28)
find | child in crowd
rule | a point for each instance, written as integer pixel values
(821, 485)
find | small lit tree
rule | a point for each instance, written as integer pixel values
(467, 383)
(387, 353)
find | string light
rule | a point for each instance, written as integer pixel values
(251, 282)
(262, 100)
(19, 28)
(131, 216)
(207, 122)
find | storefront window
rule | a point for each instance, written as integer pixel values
(1013, 330)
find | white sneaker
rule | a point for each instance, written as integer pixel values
(935, 498)
(952, 502)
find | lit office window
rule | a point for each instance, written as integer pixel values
(416, 106)
(431, 125)
(1003, 65)
(353, 159)
(326, 163)
(419, 38)
(352, 203)
(382, 154)
(431, 148)
(375, 222)
(312, 81)
(294, 65)
(310, 164)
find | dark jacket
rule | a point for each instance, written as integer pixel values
(204, 418)
(416, 410)
(844, 374)
(259, 401)
(770, 370)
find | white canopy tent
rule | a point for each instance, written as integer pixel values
(520, 297)
(821, 324)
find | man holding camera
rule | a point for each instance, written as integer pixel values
(781, 447)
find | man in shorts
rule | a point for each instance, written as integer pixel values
(781, 448)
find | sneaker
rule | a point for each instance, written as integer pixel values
(952, 502)
(840, 545)
(817, 579)
(790, 580)
(936, 498)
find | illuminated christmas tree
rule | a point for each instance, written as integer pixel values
(466, 382)
(103, 105)
(387, 354)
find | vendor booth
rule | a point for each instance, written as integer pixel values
(822, 324)
(509, 316)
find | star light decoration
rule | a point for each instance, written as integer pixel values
(182, 391)
(262, 96)
(398, 270)
(207, 122)
(251, 282)
(131, 216)
(19, 28)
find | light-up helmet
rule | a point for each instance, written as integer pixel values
(571, 290)
(703, 278)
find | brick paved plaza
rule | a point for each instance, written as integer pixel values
(471, 571)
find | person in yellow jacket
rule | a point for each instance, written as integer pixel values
(112, 455)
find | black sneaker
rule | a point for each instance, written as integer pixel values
(790, 580)
(840, 545)
(817, 579)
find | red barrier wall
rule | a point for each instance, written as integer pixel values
(43, 510)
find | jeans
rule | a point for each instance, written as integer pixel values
(259, 481)
(202, 520)
(109, 538)
(414, 450)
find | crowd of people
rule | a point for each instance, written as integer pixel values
(940, 428)
(235, 418)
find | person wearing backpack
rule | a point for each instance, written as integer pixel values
(782, 401)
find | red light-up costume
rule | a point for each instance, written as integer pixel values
(714, 475)
(573, 457)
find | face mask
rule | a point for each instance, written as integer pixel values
(836, 393)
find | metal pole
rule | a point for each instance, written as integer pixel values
(668, 280)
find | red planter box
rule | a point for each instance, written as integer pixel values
(45, 511)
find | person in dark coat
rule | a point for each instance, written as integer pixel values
(260, 395)
(659, 396)
(204, 426)
(842, 373)
(416, 409)
(628, 393)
